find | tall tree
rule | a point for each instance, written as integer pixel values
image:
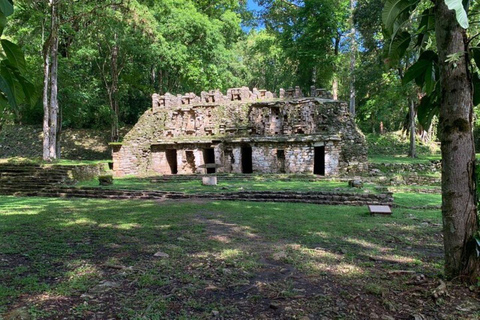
(50, 86)
(353, 58)
(452, 95)
(311, 33)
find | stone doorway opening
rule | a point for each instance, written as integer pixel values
(247, 166)
(171, 155)
(190, 157)
(281, 160)
(209, 157)
(319, 161)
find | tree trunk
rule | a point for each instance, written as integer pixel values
(50, 87)
(353, 57)
(46, 104)
(114, 90)
(412, 152)
(59, 133)
(459, 210)
(335, 87)
(335, 76)
(54, 88)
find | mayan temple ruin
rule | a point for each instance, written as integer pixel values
(243, 131)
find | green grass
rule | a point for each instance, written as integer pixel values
(232, 257)
(258, 183)
(417, 199)
(402, 158)
(63, 162)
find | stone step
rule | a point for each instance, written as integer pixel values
(333, 199)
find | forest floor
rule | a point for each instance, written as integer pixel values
(107, 259)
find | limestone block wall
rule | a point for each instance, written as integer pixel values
(264, 159)
(237, 160)
(332, 158)
(299, 159)
(189, 123)
(159, 162)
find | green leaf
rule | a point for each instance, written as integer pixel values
(7, 90)
(418, 71)
(3, 22)
(429, 79)
(399, 45)
(393, 10)
(26, 86)
(14, 54)
(475, 53)
(460, 12)
(476, 88)
(427, 24)
(427, 109)
(6, 7)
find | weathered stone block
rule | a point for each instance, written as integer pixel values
(209, 181)
(105, 180)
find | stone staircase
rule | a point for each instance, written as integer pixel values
(52, 181)
(28, 178)
(328, 198)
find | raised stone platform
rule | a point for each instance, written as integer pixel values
(326, 198)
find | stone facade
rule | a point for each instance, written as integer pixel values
(243, 131)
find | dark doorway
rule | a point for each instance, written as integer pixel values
(319, 165)
(247, 160)
(209, 157)
(281, 161)
(172, 160)
(190, 160)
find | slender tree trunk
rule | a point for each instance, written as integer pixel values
(335, 76)
(50, 87)
(335, 87)
(54, 88)
(412, 153)
(46, 105)
(458, 153)
(353, 57)
(59, 132)
(114, 90)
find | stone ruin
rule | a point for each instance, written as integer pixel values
(244, 131)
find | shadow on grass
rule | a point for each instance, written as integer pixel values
(143, 259)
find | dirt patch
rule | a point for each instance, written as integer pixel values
(223, 266)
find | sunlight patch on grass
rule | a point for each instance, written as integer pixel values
(229, 254)
(80, 222)
(364, 243)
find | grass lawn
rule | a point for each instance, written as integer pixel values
(403, 158)
(226, 184)
(63, 162)
(100, 259)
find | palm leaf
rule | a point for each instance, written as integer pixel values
(460, 12)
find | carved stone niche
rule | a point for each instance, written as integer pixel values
(212, 96)
(257, 95)
(156, 101)
(289, 93)
(234, 94)
(298, 92)
(189, 98)
(169, 100)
